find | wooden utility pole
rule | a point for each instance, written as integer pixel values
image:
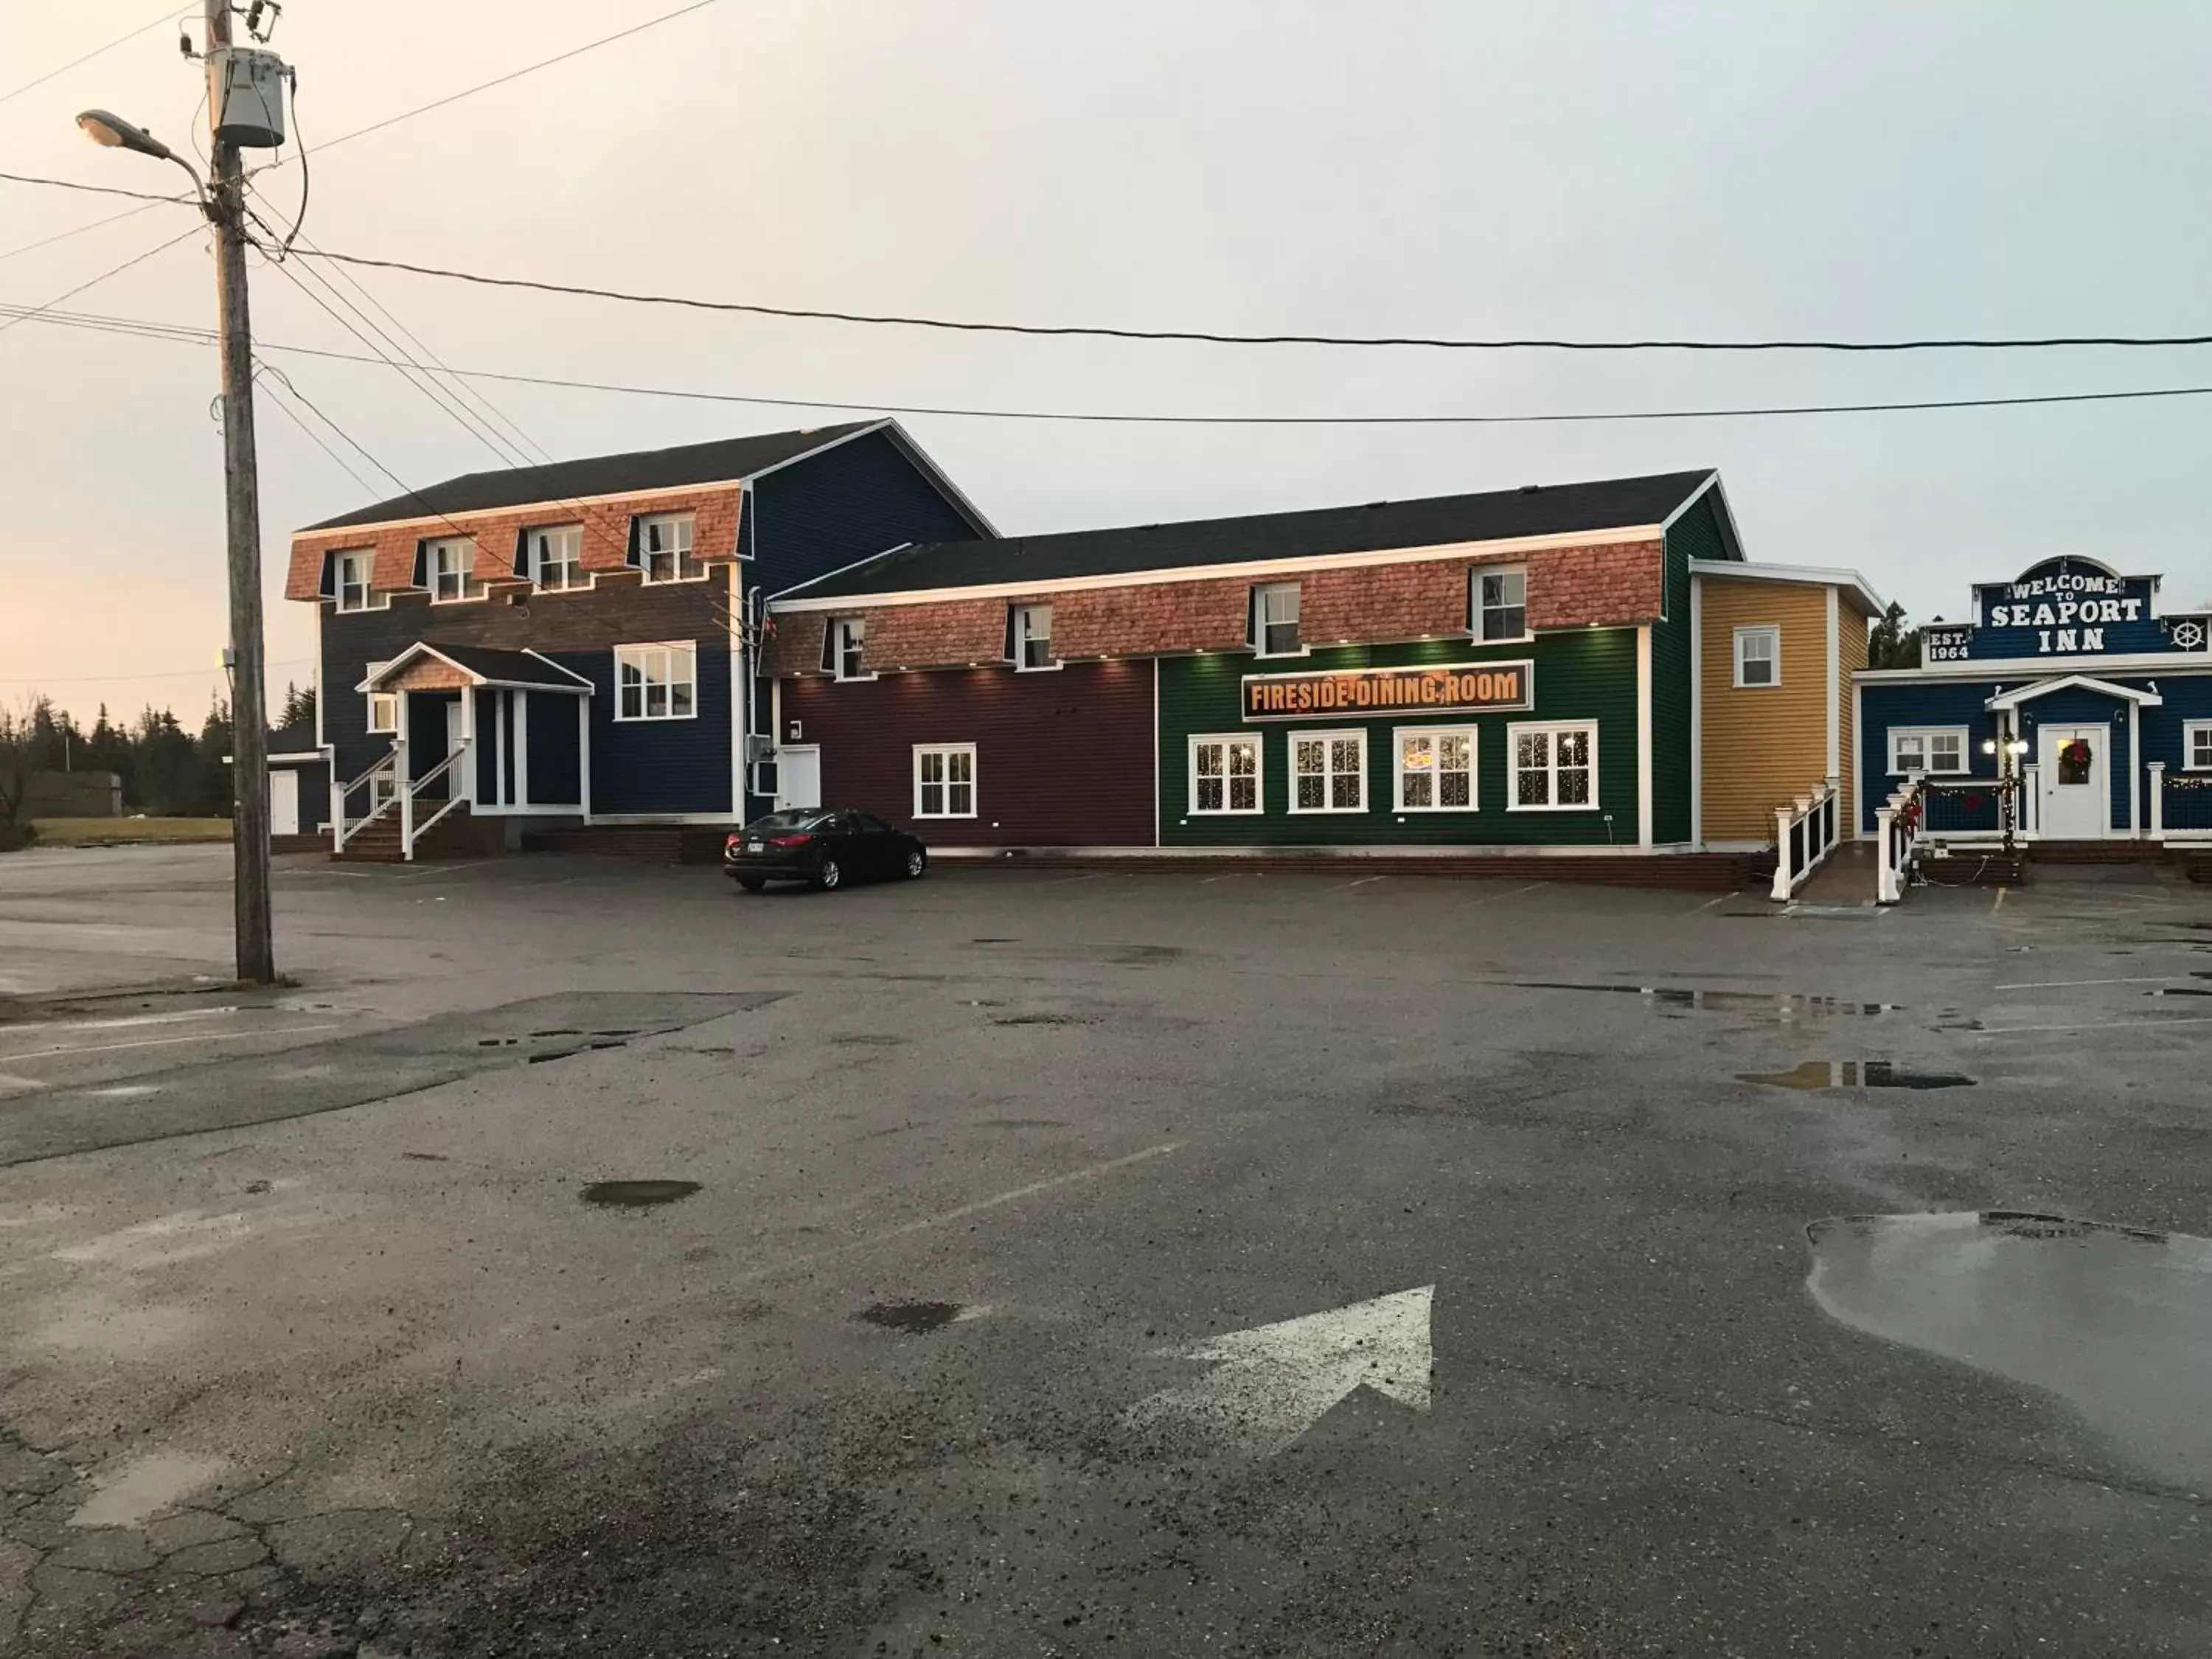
(249, 724)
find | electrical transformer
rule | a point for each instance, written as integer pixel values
(247, 87)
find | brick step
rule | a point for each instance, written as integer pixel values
(2092, 852)
(1970, 867)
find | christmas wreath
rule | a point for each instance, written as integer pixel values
(2076, 753)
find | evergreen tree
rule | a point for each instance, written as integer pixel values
(1892, 644)
(211, 764)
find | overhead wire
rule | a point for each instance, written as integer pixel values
(93, 281)
(1210, 336)
(516, 75)
(164, 674)
(181, 333)
(119, 39)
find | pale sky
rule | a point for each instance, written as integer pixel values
(1722, 169)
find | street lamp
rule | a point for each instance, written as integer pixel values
(224, 207)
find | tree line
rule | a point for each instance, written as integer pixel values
(168, 768)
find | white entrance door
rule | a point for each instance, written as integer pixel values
(464, 775)
(798, 775)
(284, 801)
(2077, 798)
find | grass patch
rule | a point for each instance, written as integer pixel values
(124, 832)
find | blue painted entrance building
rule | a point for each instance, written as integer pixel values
(2068, 684)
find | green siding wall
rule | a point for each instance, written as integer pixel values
(1582, 675)
(1695, 535)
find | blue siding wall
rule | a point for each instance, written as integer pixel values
(2186, 697)
(554, 749)
(491, 748)
(425, 720)
(861, 498)
(1946, 702)
(657, 766)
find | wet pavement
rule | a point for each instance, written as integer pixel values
(1015, 1264)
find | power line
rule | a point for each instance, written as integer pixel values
(514, 75)
(113, 270)
(89, 190)
(180, 333)
(79, 230)
(119, 40)
(167, 674)
(1081, 331)
(278, 377)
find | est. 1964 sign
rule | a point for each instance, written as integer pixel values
(2067, 607)
(1431, 688)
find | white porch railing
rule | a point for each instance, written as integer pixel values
(387, 767)
(1805, 833)
(410, 831)
(1897, 840)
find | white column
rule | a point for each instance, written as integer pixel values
(1643, 780)
(1785, 876)
(1886, 871)
(584, 753)
(2156, 830)
(517, 734)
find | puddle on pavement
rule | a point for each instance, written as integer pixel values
(427, 1158)
(637, 1194)
(915, 1317)
(866, 1040)
(2115, 1320)
(1854, 1074)
(1783, 1005)
(1045, 1019)
(2181, 991)
(994, 941)
(141, 1489)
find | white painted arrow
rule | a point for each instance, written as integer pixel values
(1274, 1381)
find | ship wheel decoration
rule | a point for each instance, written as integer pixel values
(2189, 634)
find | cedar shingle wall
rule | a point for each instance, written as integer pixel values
(1606, 585)
(606, 537)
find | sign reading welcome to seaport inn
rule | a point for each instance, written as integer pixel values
(2064, 607)
(1428, 689)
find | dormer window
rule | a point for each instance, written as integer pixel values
(1273, 631)
(663, 547)
(1029, 636)
(1500, 605)
(448, 564)
(556, 559)
(350, 579)
(843, 647)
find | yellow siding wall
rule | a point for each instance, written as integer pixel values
(1851, 653)
(1762, 747)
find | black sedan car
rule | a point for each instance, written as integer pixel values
(824, 846)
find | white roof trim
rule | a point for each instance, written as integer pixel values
(1253, 567)
(423, 648)
(2031, 668)
(2019, 695)
(1821, 576)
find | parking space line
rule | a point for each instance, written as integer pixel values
(1710, 903)
(1997, 903)
(2074, 984)
(2099, 1025)
(1530, 888)
(176, 1018)
(1362, 882)
(163, 1042)
(1232, 875)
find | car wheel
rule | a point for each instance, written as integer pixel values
(827, 875)
(916, 862)
(751, 884)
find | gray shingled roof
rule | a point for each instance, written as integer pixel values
(1497, 515)
(600, 474)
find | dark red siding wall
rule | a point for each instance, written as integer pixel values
(1062, 759)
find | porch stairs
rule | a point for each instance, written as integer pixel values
(378, 841)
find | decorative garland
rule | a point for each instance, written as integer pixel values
(2174, 784)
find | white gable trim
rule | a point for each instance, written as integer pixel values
(2020, 695)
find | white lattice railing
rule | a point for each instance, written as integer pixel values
(1805, 832)
(1897, 840)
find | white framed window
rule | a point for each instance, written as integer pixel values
(1029, 636)
(1927, 749)
(656, 682)
(556, 558)
(1758, 656)
(844, 647)
(1225, 775)
(663, 547)
(945, 780)
(1435, 769)
(350, 579)
(2197, 745)
(449, 564)
(1555, 766)
(383, 713)
(1501, 603)
(1329, 771)
(1274, 620)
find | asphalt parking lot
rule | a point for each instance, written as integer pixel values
(585, 1258)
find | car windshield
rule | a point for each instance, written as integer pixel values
(806, 817)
